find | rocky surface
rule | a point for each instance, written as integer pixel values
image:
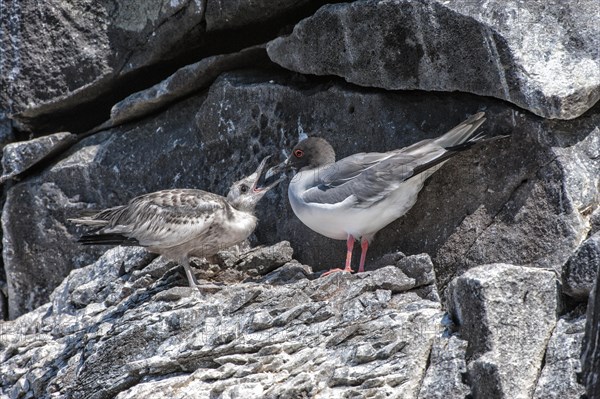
(60, 55)
(503, 236)
(123, 332)
(234, 14)
(525, 53)
(580, 272)
(590, 355)
(19, 157)
(182, 83)
(507, 314)
(561, 363)
(6, 133)
(444, 378)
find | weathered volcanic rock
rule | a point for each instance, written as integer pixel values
(110, 332)
(6, 132)
(522, 200)
(507, 314)
(561, 366)
(18, 157)
(183, 82)
(542, 56)
(60, 54)
(590, 353)
(447, 366)
(581, 270)
(232, 14)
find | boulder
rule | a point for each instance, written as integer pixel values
(524, 53)
(506, 314)
(19, 157)
(579, 274)
(185, 81)
(444, 378)
(109, 331)
(590, 352)
(561, 362)
(62, 55)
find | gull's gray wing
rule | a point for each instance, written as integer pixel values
(370, 178)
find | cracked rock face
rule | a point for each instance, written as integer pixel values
(540, 56)
(507, 314)
(60, 54)
(127, 326)
(581, 270)
(19, 157)
(590, 353)
(120, 334)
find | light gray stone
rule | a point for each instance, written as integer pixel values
(523, 52)
(19, 157)
(245, 340)
(559, 375)
(507, 314)
(447, 365)
(579, 274)
(590, 353)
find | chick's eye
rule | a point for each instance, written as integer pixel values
(298, 153)
(243, 188)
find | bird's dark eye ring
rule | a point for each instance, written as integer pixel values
(243, 188)
(298, 153)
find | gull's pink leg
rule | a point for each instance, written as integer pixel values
(364, 245)
(348, 267)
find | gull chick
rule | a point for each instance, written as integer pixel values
(357, 196)
(180, 223)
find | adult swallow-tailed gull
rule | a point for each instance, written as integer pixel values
(180, 223)
(357, 196)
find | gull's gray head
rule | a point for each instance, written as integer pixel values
(244, 194)
(310, 153)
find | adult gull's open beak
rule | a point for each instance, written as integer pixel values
(280, 168)
(256, 187)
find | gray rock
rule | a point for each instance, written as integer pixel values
(590, 353)
(447, 365)
(6, 131)
(19, 157)
(522, 200)
(245, 340)
(391, 278)
(58, 56)
(546, 216)
(263, 260)
(581, 270)
(182, 83)
(559, 375)
(418, 267)
(525, 53)
(232, 14)
(507, 314)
